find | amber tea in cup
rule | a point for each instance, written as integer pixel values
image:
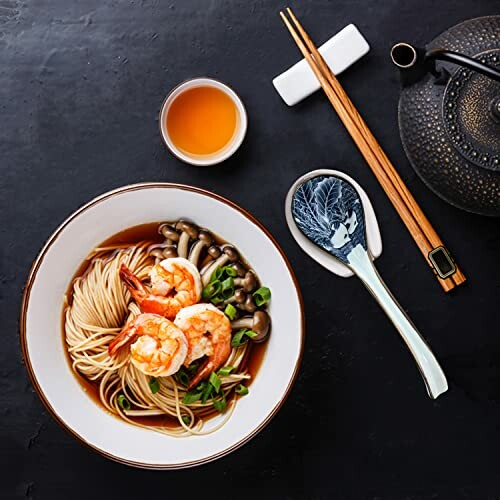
(203, 121)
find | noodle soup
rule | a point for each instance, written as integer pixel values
(159, 351)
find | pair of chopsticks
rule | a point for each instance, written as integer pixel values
(408, 209)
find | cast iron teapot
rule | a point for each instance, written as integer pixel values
(449, 113)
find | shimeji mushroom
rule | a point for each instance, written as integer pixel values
(171, 237)
(249, 304)
(240, 269)
(259, 323)
(204, 240)
(189, 232)
(169, 232)
(228, 254)
(162, 250)
(239, 296)
(248, 282)
(231, 252)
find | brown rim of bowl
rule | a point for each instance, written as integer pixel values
(172, 90)
(31, 278)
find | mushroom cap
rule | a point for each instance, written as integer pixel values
(240, 269)
(170, 252)
(189, 228)
(261, 325)
(206, 237)
(156, 252)
(231, 252)
(249, 304)
(214, 251)
(249, 281)
(240, 295)
(169, 232)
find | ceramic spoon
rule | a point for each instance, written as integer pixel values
(328, 210)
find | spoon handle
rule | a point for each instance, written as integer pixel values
(428, 365)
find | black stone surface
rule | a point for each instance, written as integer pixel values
(80, 88)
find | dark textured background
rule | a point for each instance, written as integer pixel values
(81, 83)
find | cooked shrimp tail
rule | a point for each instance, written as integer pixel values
(133, 283)
(219, 357)
(203, 372)
(126, 336)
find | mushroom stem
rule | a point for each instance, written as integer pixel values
(158, 245)
(245, 322)
(259, 323)
(236, 297)
(203, 270)
(182, 246)
(194, 254)
(206, 274)
(205, 239)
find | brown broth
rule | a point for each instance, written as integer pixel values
(135, 234)
(130, 237)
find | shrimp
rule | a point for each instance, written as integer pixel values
(208, 332)
(159, 348)
(175, 283)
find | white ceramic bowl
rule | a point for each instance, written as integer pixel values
(230, 148)
(44, 351)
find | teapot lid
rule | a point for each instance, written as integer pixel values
(451, 132)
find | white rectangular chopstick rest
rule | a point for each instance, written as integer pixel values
(339, 52)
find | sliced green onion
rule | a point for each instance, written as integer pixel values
(230, 271)
(217, 274)
(230, 311)
(241, 337)
(182, 377)
(212, 289)
(191, 396)
(241, 390)
(219, 404)
(261, 296)
(186, 419)
(207, 390)
(124, 402)
(216, 300)
(227, 290)
(154, 385)
(225, 371)
(191, 369)
(215, 381)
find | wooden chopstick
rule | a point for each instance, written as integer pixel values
(418, 225)
(434, 239)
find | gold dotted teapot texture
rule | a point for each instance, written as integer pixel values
(449, 113)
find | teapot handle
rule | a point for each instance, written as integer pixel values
(465, 61)
(415, 62)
